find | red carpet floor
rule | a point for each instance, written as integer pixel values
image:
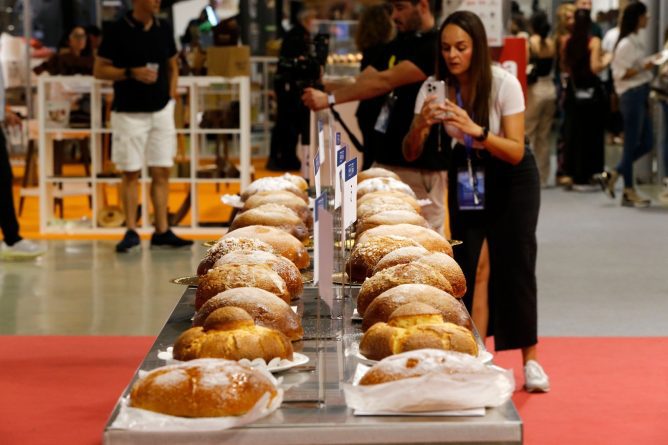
(612, 391)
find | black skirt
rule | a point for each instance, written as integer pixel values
(508, 222)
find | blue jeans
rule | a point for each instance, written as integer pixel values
(638, 136)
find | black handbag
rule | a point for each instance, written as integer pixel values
(660, 84)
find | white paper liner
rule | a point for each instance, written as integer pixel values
(470, 385)
(232, 201)
(275, 365)
(138, 419)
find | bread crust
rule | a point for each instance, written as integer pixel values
(229, 276)
(383, 184)
(365, 255)
(231, 333)
(380, 309)
(273, 215)
(428, 238)
(279, 264)
(395, 276)
(390, 217)
(226, 245)
(201, 388)
(376, 172)
(265, 308)
(283, 197)
(283, 243)
(390, 196)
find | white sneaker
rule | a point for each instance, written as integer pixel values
(23, 250)
(535, 379)
(663, 195)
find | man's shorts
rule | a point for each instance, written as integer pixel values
(139, 136)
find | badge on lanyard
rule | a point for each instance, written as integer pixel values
(470, 180)
(383, 119)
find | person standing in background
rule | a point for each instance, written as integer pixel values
(13, 246)
(585, 105)
(663, 100)
(542, 95)
(594, 29)
(292, 117)
(565, 20)
(408, 61)
(374, 31)
(632, 75)
(138, 54)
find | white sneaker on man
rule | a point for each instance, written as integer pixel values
(22, 250)
(535, 378)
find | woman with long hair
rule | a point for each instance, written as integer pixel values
(374, 31)
(632, 75)
(494, 188)
(585, 104)
(542, 94)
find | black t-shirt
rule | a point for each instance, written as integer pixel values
(128, 45)
(420, 49)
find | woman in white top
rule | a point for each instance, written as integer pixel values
(494, 187)
(632, 76)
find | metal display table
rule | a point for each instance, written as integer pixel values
(314, 409)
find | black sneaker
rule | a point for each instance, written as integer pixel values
(130, 240)
(169, 239)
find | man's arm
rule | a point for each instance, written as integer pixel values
(173, 73)
(105, 70)
(370, 84)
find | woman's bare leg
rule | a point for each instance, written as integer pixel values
(480, 304)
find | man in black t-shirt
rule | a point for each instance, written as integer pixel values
(138, 54)
(408, 61)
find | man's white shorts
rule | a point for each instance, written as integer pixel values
(139, 136)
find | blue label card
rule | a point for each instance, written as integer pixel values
(341, 156)
(320, 203)
(337, 138)
(351, 169)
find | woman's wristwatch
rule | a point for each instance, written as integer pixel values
(483, 135)
(128, 73)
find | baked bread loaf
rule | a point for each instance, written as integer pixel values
(267, 310)
(272, 184)
(415, 326)
(441, 262)
(298, 181)
(376, 206)
(383, 184)
(451, 309)
(281, 265)
(389, 196)
(226, 245)
(415, 364)
(404, 255)
(376, 172)
(396, 275)
(428, 238)
(283, 243)
(202, 388)
(389, 217)
(365, 255)
(231, 333)
(229, 276)
(274, 215)
(283, 197)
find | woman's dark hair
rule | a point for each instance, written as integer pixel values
(375, 26)
(480, 70)
(630, 20)
(540, 25)
(577, 47)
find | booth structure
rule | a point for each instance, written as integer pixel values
(213, 122)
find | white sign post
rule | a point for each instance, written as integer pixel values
(350, 194)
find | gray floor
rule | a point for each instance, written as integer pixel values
(602, 271)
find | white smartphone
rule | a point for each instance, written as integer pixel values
(437, 88)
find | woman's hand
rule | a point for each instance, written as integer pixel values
(431, 113)
(314, 99)
(459, 118)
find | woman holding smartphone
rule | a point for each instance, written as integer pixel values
(494, 187)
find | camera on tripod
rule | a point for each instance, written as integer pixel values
(304, 72)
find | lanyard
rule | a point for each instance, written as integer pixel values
(468, 143)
